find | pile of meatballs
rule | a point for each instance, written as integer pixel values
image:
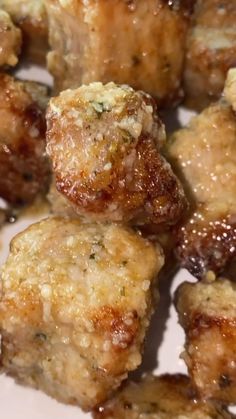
(127, 202)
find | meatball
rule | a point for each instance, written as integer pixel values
(204, 155)
(136, 49)
(164, 397)
(10, 41)
(207, 313)
(211, 50)
(104, 143)
(31, 17)
(24, 168)
(76, 302)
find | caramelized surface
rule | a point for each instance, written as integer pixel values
(31, 17)
(76, 301)
(207, 313)
(10, 41)
(204, 156)
(104, 142)
(136, 49)
(164, 397)
(211, 50)
(24, 168)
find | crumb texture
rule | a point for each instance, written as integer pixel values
(85, 47)
(24, 167)
(207, 313)
(104, 142)
(75, 305)
(10, 41)
(203, 154)
(164, 397)
(211, 49)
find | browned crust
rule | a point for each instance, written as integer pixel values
(166, 396)
(121, 325)
(206, 68)
(110, 410)
(24, 171)
(217, 379)
(206, 312)
(147, 191)
(198, 322)
(205, 13)
(157, 71)
(10, 41)
(185, 6)
(204, 247)
(35, 40)
(159, 198)
(202, 62)
(34, 27)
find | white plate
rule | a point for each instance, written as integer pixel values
(163, 346)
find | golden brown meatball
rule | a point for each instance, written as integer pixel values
(24, 168)
(164, 397)
(10, 41)
(211, 51)
(31, 17)
(204, 155)
(76, 302)
(104, 143)
(137, 48)
(207, 313)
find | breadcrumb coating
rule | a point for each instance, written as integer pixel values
(207, 314)
(164, 397)
(76, 302)
(211, 49)
(24, 167)
(204, 155)
(86, 47)
(31, 17)
(104, 142)
(10, 41)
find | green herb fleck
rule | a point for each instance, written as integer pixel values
(98, 106)
(122, 292)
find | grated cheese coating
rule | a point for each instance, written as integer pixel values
(73, 312)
